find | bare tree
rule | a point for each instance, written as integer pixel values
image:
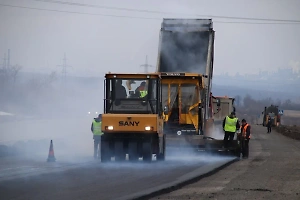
(13, 71)
(52, 77)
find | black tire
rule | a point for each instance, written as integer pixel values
(162, 156)
(147, 151)
(120, 154)
(133, 151)
(235, 153)
(105, 151)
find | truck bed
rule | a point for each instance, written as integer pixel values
(184, 46)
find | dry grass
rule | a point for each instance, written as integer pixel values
(291, 113)
(289, 131)
(290, 121)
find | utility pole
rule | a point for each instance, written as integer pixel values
(3, 71)
(4, 61)
(146, 65)
(8, 58)
(64, 70)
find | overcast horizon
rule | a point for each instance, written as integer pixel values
(97, 44)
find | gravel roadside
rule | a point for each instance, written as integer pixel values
(289, 131)
(271, 172)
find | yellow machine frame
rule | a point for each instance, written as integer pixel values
(274, 119)
(186, 78)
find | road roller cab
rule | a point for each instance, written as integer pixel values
(132, 121)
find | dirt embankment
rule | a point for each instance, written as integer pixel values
(289, 131)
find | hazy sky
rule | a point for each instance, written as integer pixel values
(96, 44)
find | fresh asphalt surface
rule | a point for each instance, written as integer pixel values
(23, 179)
(76, 175)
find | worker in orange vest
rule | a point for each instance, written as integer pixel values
(246, 134)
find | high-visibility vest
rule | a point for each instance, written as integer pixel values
(244, 131)
(143, 93)
(230, 124)
(97, 128)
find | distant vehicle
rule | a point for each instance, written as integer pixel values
(273, 112)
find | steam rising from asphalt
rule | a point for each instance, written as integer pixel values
(184, 51)
(190, 155)
(53, 112)
(218, 133)
(72, 139)
(65, 120)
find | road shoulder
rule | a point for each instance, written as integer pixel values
(271, 172)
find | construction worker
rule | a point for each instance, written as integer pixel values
(245, 129)
(96, 130)
(141, 90)
(269, 124)
(230, 125)
(120, 91)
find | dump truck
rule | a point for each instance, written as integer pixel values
(222, 107)
(185, 59)
(132, 121)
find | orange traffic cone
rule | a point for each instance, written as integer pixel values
(51, 157)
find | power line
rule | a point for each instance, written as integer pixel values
(266, 23)
(146, 65)
(4, 61)
(110, 7)
(64, 69)
(132, 17)
(73, 12)
(162, 12)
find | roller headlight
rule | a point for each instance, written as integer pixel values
(109, 128)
